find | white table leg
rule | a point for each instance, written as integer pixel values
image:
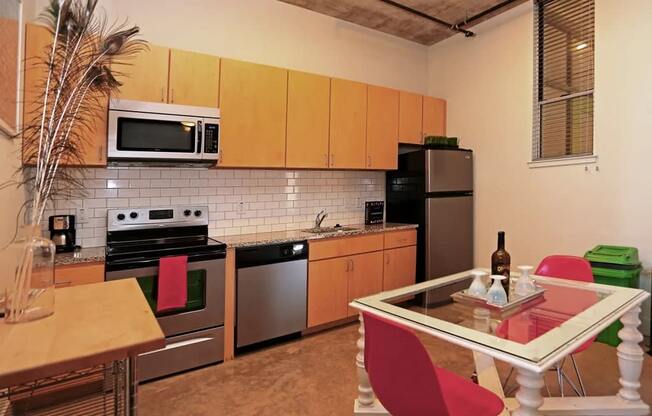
(365, 392)
(366, 403)
(529, 393)
(630, 356)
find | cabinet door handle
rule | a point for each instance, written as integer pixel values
(63, 283)
(347, 265)
(100, 153)
(162, 95)
(326, 159)
(387, 258)
(332, 159)
(172, 95)
(352, 265)
(368, 161)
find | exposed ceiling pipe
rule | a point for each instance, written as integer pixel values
(466, 22)
(456, 27)
(450, 26)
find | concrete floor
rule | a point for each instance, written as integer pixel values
(316, 376)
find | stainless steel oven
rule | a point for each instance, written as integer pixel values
(136, 240)
(150, 132)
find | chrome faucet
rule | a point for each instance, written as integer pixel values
(320, 218)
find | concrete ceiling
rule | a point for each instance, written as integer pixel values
(378, 15)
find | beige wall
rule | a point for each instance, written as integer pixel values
(274, 33)
(488, 82)
(10, 200)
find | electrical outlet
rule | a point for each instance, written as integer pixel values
(82, 216)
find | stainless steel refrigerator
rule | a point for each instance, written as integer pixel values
(434, 188)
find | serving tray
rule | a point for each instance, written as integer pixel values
(463, 297)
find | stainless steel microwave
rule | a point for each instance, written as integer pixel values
(153, 132)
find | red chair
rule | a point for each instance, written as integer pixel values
(408, 384)
(570, 268)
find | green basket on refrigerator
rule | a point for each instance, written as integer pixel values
(615, 266)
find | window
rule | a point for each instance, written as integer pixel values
(563, 91)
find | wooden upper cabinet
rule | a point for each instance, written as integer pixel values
(382, 128)
(434, 117)
(410, 118)
(194, 79)
(308, 120)
(253, 106)
(37, 42)
(145, 78)
(348, 124)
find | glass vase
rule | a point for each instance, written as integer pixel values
(30, 295)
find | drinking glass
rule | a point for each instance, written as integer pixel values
(478, 287)
(496, 294)
(524, 284)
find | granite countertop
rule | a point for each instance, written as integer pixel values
(85, 255)
(250, 240)
(92, 254)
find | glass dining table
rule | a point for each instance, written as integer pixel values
(532, 336)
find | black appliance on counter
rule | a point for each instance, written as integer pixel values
(136, 241)
(374, 212)
(62, 232)
(434, 188)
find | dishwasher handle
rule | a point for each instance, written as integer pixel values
(271, 254)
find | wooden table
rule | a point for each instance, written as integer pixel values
(92, 325)
(532, 340)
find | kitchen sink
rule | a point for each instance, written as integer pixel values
(327, 230)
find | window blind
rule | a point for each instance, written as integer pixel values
(564, 68)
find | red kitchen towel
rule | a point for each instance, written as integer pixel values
(172, 283)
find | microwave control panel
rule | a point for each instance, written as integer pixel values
(211, 137)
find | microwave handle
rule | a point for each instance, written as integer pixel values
(200, 133)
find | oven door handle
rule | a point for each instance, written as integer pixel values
(154, 260)
(179, 345)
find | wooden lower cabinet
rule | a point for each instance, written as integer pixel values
(328, 282)
(365, 277)
(343, 269)
(78, 274)
(399, 268)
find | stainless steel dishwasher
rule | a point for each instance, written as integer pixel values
(271, 291)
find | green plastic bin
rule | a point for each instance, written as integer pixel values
(615, 266)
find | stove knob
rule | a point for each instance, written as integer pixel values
(133, 215)
(187, 213)
(121, 217)
(197, 213)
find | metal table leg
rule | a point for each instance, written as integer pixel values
(131, 396)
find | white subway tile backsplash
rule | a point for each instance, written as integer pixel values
(117, 183)
(128, 193)
(95, 203)
(106, 193)
(129, 173)
(149, 192)
(239, 201)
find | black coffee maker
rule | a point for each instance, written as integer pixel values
(62, 232)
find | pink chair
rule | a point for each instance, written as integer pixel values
(571, 268)
(408, 384)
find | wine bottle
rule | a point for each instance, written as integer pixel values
(500, 261)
